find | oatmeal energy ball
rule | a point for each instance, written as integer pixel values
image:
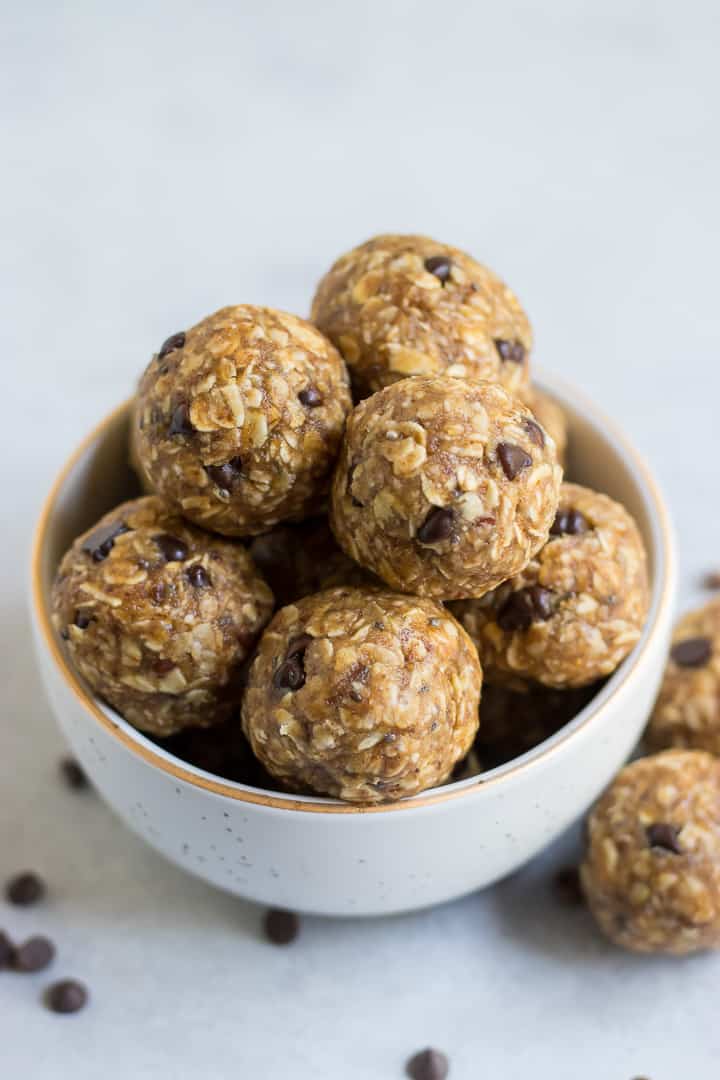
(367, 696)
(444, 487)
(238, 420)
(407, 305)
(687, 712)
(578, 607)
(652, 868)
(159, 616)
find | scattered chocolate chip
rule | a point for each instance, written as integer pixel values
(712, 580)
(173, 550)
(225, 476)
(175, 341)
(82, 620)
(513, 459)
(7, 951)
(73, 774)
(25, 889)
(281, 927)
(291, 673)
(569, 522)
(536, 433)
(510, 352)
(662, 835)
(163, 666)
(66, 996)
(180, 423)
(100, 543)
(428, 1064)
(693, 652)
(567, 887)
(437, 526)
(440, 266)
(198, 576)
(524, 607)
(311, 397)
(33, 955)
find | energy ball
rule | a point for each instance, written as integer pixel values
(576, 610)
(298, 560)
(687, 712)
(238, 421)
(407, 305)
(158, 616)
(651, 872)
(551, 418)
(367, 696)
(444, 487)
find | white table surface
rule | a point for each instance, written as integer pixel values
(165, 159)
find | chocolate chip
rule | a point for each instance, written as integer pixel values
(693, 652)
(33, 955)
(65, 634)
(524, 607)
(428, 1064)
(281, 927)
(180, 423)
(66, 996)
(569, 522)
(225, 476)
(664, 836)
(536, 433)
(510, 352)
(567, 887)
(73, 774)
(513, 459)
(173, 550)
(198, 576)
(175, 341)
(163, 666)
(311, 397)
(7, 951)
(25, 889)
(712, 580)
(440, 266)
(291, 673)
(82, 620)
(101, 541)
(438, 525)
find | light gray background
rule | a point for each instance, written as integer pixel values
(160, 160)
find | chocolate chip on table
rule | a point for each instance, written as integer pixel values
(693, 652)
(33, 955)
(291, 673)
(513, 459)
(311, 397)
(25, 889)
(281, 927)
(438, 525)
(66, 996)
(175, 341)
(512, 352)
(664, 836)
(7, 951)
(101, 541)
(173, 549)
(712, 580)
(569, 522)
(440, 266)
(198, 576)
(82, 620)
(227, 475)
(180, 423)
(536, 433)
(524, 607)
(567, 887)
(429, 1064)
(73, 774)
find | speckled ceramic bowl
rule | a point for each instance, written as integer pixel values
(320, 855)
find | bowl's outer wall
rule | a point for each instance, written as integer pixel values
(378, 862)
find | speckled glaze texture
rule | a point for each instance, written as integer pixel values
(159, 616)
(444, 487)
(238, 420)
(392, 315)
(576, 610)
(366, 696)
(652, 869)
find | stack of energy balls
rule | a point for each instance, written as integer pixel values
(349, 523)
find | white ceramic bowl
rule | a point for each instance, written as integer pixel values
(320, 855)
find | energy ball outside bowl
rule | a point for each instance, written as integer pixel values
(238, 420)
(366, 696)
(651, 872)
(576, 610)
(444, 487)
(159, 616)
(407, 305)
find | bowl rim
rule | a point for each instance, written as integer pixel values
(153, 755)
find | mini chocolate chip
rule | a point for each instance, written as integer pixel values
(536, 433)
(569, 522)
(7, 951)
(82, 620)
(73, 774)
(281, 927)
(712, 580)
(524, 607)
(163, 666)
(33, 955)
(311, 397)
(513, 459)
(227, 475)
(438, 525)
(693, 652)
(175, 341)
(664, 836)
(567, 887)
(440, 266)
(512, 352)
(291, 673)
(428, 1064)
(25, 889)
(198, 576)
(66, 996)
(65, 634)
(173, 550)
(101, 541)
(180, 423)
